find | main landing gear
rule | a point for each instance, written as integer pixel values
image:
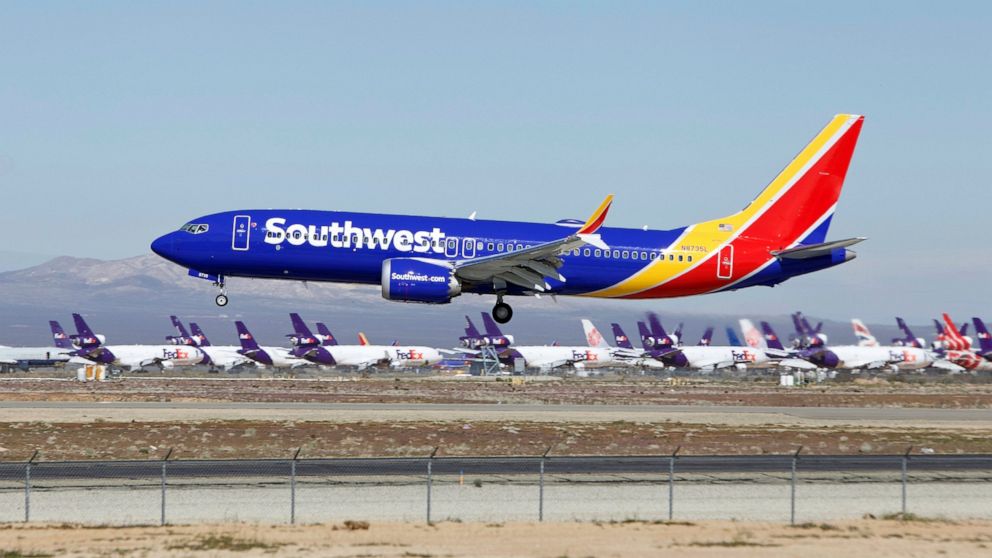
(221, 299)
(502, 312)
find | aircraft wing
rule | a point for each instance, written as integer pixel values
(7, 361)
(797, 363)
(778, 353)
(529, 266)
(947, 365)
(713, 364)
(805, 251)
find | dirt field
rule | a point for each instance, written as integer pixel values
(915, 537)
(249, 438)
(908, 391)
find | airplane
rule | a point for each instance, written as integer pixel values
(752, 337)
(324, 334)
(812, 346)
(222, 357)
(956, 347)
(909, 340)
(308, 347)
(547, 357)
(706, 357)
(780, 234)
(277, 357)
(904, 356)
(24, 358)
(473, 339)
(732, 338)
(984, 338)
(91, 348)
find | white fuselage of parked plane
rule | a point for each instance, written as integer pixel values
(165, 356)
(412, 356)
(701, 357)
(856, 356)
(548, 357)
(358, 356)
(225, 357)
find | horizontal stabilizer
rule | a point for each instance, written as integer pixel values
(805, 251)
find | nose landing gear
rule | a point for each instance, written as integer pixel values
(502, 312)
(221, 299)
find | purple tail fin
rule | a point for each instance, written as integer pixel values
(909, 340)
(84, 335)
(325, 332)
(939, 327)
(62, 340)
(984, 339)
(179, 326)
(647, 341)
(620, 337)
(470, 329)
(201, 338)
(490, 324)
(300, 328)
(248, 342)
(678, 333)
(658, 331)
(963, 330)
(770, 338)
(707, 337)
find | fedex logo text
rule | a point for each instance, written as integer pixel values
(350, 236)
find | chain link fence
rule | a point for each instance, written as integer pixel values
(790, 488)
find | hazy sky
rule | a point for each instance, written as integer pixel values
(120, 121)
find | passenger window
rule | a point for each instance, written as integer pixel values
(478, 245)
(499, 247)
(585, 252)
(598, 252)
(626, 254)
(654, 255)
(616, 254)
(680, 257)
(690, 258)
(633, 255)
(671, 257)
(644, 255)
(519, 247)
(489, 246)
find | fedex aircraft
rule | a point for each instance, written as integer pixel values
(984, 338)
(90, 348)
(903, 356)
(780, 234)
(473, 339)
(223, 357)
(277, 357)
(548, 357)
(706, 357)
(813, 347)
(309, 347)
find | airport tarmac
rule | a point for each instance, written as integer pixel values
(89, 411)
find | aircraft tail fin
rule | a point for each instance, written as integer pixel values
(245, 337)
(752, 336)
(180, 328)
(658, 331)
(593, 337)
(61, 340)
(325, 332)
(470, 329)
(909, 340)
(201, 338)
(620, 337)
(861, 331)
(707, 337)
(362, 339)
(647, 340)
(300, 327)
(984, 338)
(771, 339)
(732, 337)
(490, 325)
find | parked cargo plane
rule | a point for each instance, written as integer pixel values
(216, 356)
(779, 235)
(277, 357)
(90, 348)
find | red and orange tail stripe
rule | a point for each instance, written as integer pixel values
(598, 217)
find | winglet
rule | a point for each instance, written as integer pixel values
(598, 217)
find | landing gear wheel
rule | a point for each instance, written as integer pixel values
(221, 300)
(502, 312)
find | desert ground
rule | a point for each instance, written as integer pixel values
(878, 537)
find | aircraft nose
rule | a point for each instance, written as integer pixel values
(165, 246)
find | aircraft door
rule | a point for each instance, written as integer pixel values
(451, 248)
(242, 232)
(725, 262)
(468, 248)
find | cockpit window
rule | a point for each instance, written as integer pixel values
(195, 228)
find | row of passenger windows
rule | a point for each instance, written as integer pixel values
(501, 247)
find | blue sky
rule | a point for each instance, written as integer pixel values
(120, 121)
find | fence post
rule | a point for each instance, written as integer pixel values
(905, 464)
(430, 481)
(27, 487)
(292, 487)
(164, 461)
(671, 483)
(792, 499)
(540, 497)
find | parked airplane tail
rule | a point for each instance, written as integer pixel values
(620, 337)
(470, 329)
(593, 337)
(732, 338)
(247, 340)
(647, 340)
(984, 338)
(300, 327)
(861, 331)
(180, 328)
(198, 335)
(771, 339)
(707, 337)
(952, 337)
(362, 339)
(490, 325)
(327, 338)
(752, 336)
(59, 336)
(658, 331)
(84, 335)
(677, 334)
(909, 340)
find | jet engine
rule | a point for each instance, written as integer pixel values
(419, 280)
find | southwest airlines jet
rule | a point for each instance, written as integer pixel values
(779, 235)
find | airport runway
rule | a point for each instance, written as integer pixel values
(11, 411)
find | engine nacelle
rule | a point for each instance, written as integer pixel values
(419, 280)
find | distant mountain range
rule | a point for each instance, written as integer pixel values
(129, 301)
